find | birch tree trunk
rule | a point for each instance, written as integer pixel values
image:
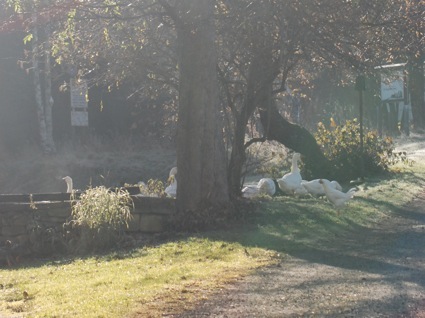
(202, 179)
(37, 87)
(48, 99)
(44, 105)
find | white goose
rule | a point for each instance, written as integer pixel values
(336, 197)
(291, 182)
(301, 192)
(171, 189)
(315, 188)
(69, 186)
(250, 191)
(264, 186)
(267, 186)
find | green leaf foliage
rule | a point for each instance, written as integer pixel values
(28, 38)
(341, 145)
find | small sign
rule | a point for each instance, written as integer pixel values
(392, 85)
(79, 105)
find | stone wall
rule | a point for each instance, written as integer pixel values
(19, 214)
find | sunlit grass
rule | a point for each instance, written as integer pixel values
(173, 276)
(286, 224)
(117, 284)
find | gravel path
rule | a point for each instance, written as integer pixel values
(376, 272)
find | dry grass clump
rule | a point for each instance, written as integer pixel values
(100, 217)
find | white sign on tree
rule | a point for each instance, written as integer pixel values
(392, 85)
(79, 106)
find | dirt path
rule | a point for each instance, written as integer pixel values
(377, 272)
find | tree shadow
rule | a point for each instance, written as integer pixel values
(383, 249)
(391, 255)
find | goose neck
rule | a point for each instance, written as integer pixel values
(294, 166)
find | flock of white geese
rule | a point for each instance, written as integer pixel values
(293, 184)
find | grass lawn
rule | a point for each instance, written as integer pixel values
(173, 275)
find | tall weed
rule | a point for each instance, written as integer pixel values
(99, 218)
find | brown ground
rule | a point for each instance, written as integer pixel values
(370, 273)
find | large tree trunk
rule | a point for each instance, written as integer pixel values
(237, 156)
(202, 179)
(298, 139)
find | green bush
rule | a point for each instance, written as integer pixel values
(99, 218)
(341, 145)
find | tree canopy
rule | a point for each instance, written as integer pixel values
(227, 59)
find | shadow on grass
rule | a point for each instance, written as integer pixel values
(317, 236)
(392, 254)
(134, 249)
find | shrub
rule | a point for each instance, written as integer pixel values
(153, 188)
(267, 159)
(99, 218)
(341, 145)
(156, 188)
